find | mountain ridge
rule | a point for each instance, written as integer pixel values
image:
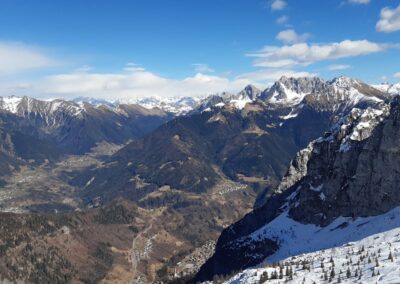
(346, 173)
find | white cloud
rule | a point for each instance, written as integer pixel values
(305, 54)
(137, 84)
(83, 69)
(359, 1)
(202, 68)
(277, 5)
(290, 36)
(389, 20)
(336, 67)
(133, 67)
(282, 20)
(127, 85)
(18, 57)
(396, 75)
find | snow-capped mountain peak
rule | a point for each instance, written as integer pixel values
(392, 89)
(289, 91)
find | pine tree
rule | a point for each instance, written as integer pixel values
(391, 257)
(280, 273)
(264, 277)
(332, 273)
(348, 273)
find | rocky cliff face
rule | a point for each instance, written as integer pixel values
(352, 171)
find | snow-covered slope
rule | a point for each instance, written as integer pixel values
(362, 250)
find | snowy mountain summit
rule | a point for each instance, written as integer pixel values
(292, 91)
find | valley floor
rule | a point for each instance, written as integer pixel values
(45, 188)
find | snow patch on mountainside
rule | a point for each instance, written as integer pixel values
(10, 103)
(241, 102)
(286, 96)
(353, 244)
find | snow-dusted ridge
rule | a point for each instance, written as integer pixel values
(393, 89)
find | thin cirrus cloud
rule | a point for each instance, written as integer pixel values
(389, 20)
(290, 36)
(202, 68)
(282, 20)
(305, 54)
(133, 67)
(396, 75)
(337, 67)
(277, 5)
(18, 57)
(359, 2)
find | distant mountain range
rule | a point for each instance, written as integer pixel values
(190, 167)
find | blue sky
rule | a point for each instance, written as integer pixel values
(128, 49)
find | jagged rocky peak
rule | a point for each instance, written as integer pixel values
(250, 91)
(302, 84)
(290, 90)
(337, 95)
